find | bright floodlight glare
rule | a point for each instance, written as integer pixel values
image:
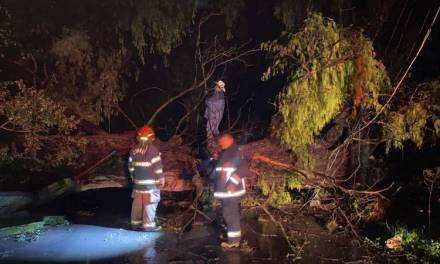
(77, 243)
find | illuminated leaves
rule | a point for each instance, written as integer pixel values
(277, 184)
(315, 90)
(158, 26)
(35, 115)
(318, 64)
(412, 121)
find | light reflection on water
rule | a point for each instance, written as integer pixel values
(77, 243)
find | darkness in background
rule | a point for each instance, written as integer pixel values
(396, 27)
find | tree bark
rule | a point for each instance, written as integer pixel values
(177, 159)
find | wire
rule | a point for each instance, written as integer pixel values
(404, 74)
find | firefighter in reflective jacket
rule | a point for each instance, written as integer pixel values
(231, 169)
(146, 171)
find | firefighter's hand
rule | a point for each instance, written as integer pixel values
(162, 183)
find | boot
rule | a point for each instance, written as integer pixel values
(135, 227)
(152, 229)
(230, 244)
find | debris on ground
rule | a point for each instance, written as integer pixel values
(29, 229)
(394, 243)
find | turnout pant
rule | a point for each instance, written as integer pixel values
(231, 215)
(143, 209)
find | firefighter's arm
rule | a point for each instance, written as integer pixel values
(242, 170)
(156, 162)
(130, 166)
(235, 178)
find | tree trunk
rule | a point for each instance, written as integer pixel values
(177, 159)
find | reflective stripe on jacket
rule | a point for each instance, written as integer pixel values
(145, 166)
(231, 170)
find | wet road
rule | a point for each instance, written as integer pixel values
(69, 243)
(99, 233)
(95, 244)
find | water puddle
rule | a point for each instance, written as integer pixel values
(99, 233)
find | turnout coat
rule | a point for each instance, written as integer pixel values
(145, 166)
(231, 170)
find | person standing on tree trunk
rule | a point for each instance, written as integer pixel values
(215, 107)
(146, 171)
(230, 171)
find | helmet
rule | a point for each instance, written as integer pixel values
(145, 133)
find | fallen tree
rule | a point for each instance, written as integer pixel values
(178, 158)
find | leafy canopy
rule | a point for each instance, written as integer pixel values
(158, 26)
(321, 64)
(413, 121)
(87, 79)
(37, 115)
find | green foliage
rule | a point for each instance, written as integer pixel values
(410, 122)
(313, 95)
(36, 116)
(80, 62)
(376, 243)
(276, 192)
(294, 182)
(87, 79)
(369, 73)
(277, 184)
(249, 201)
(416, 243)
(408, 125)
(31, 231)
(412, 242)
(158, 26)
(320, 63)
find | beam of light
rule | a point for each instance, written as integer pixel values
(77, 243)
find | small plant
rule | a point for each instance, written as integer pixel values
(245, 247)
(249, 201)
(374, 243)
(276, 185)
(412, 242)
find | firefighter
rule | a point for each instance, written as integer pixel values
(230, 170)
(146, 171)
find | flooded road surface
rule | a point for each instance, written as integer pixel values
(95, 244)
(99, 233)
(69, 243)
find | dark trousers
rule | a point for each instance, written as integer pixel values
(231, 215)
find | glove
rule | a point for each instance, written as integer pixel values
(161, 183)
